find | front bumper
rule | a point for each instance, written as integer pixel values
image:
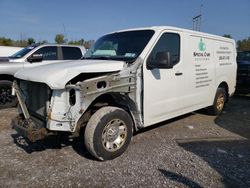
(29, 129)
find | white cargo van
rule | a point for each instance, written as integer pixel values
(129, 80)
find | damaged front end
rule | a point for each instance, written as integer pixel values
(26, 125)
(45, 111)
(28, 129)
(42, 111)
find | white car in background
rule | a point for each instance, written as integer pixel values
(6, 51)
(32, 56)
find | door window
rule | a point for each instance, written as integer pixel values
(49, 53)
(169, 44)
(71, 53)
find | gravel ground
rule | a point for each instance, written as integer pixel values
(195, 150)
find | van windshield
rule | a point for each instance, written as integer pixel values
(124, 46)
(23, 52)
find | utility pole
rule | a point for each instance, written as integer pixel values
(22, 38)
(65, 34)
(197, 20)
(197, 23)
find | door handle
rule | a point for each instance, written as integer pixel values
(178, 73)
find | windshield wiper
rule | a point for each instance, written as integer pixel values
(127, 60)
(99, 57)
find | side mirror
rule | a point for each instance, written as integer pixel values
(35, 58)
(162, 61)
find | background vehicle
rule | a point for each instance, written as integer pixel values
(243, 72)
(6, 51)
(32, 56)
(128, 80)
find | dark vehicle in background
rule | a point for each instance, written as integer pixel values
(243, 72)
(32, 56)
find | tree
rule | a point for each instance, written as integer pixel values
(77, 42)
(5, 41)
(31, 41)
(243, 45)
(43, 42)
(88, 44)
(59, 39)
(227, 36)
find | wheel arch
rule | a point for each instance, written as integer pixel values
(224, 85)
(116, 99)
(7, 77)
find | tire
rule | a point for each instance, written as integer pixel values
(108, 133)
(6, 99)
(219, 102)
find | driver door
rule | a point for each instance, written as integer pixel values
(50, 55)
(165, 90)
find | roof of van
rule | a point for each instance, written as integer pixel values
(161, 28)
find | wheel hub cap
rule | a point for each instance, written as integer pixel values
(220, 102)
(114, 135)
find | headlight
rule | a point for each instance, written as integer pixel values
(72, 97)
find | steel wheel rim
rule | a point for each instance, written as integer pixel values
(220, 102)
(114, 135)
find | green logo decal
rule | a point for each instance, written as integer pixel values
(202, 45)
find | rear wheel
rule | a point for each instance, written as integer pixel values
(108, 133)
(6, 98)
(219, 102)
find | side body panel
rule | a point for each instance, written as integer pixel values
(205, 62)
(168, 93)
(226, 65)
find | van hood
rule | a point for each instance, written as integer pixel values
(57, 75)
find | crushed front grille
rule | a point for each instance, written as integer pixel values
(37, 96)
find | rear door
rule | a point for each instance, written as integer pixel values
(71, 53)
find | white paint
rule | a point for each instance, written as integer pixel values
(6, 51)
(57, 75)
(14, 65)
(167, 95)
(160, 94)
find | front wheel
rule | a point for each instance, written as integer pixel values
(108, 133)
(6, 98)
(219, 102)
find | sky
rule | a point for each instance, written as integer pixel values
(90, 19)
